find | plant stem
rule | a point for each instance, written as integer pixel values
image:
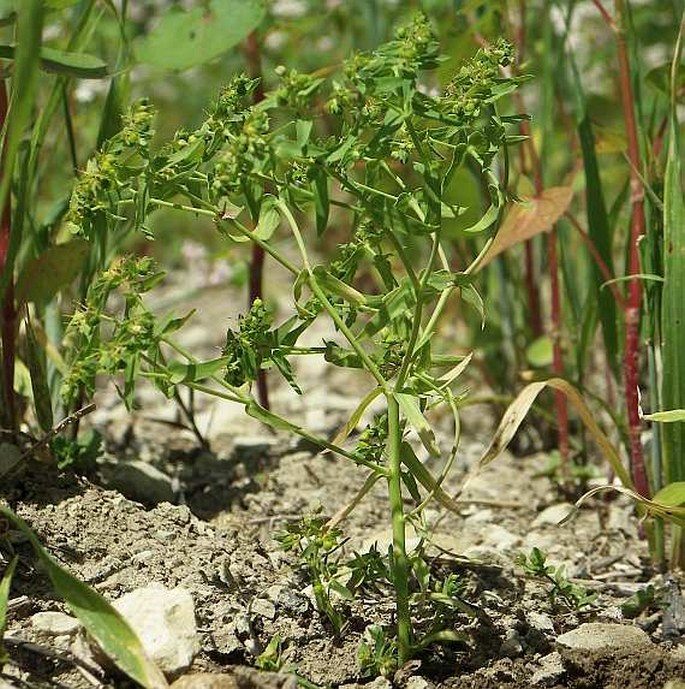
(253, 59)
(400, 562)
(637, 229)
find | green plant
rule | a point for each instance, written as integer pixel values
(562, 588)
(270, 658)
(393, 155)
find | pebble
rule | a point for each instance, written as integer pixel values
(511, 646)
(264, 608)
(541, 622)
(205, 680)
(55, 623)
(137, 480)
(553, 514)
(597, 639)
(550, 671)
(164, 620)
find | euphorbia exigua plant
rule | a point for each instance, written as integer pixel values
(392, 155)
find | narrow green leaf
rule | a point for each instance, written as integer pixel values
(321, 199)
(54, 269)
(5, 583)
(598, 223)
(673, 294)
(410, 408)
(112, 633)
(670, 416)
(36, 361)
(186, 39)
(671, 495)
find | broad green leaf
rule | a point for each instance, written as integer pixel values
(670, 416)
(410, 408)
(79, 65)
(527, 220)
(660, 79)
(43, 277)
(112, 633)
(186, 39)
(36, 361)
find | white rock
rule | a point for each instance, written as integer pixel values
(264, 608)
(553, 514)
(54, 623)
(164, 620)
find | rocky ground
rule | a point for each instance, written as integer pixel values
(181, 538)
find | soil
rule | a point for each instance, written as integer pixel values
(216, 541)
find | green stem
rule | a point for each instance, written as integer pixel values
(321, 296)
(400, 562)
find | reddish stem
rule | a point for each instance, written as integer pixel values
(637, 229)
(253, 59)
(7, 312)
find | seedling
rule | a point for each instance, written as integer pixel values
(562, 589)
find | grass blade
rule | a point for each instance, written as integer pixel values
(673, 304)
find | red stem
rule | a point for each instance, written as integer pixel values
(7, 312)
(637, 229)
(253, 59)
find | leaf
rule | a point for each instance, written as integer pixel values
(186, 39)
(195, 371)
(673, 303)
(37, 365)
(55, 268)
(671, 495)
(79, 65)
(539, 352)
(527, 220)
(4, 599)
(269, 218)
(517, 411)
(112, 633)
(410, 408)
(321, 199)
(670, 416)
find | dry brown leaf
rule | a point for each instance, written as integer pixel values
(527, 219)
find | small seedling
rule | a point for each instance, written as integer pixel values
(643, 599)
(270, 658)
(377, 653)
(562, 588)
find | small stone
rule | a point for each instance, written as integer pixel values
(264, 608)
(550, 671)
(499, 538)
(541, 622)
(379, 683)
(164, 620)
(553, 514)
(137, 480)
(55, 623)
(10, 456)
(417, 682)
(205, 680)
(593, 640)
(511, 646)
